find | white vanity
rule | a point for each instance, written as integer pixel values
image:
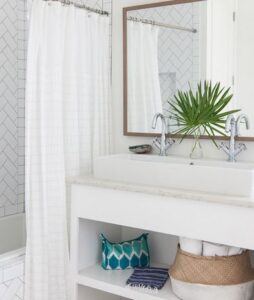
(112, 205)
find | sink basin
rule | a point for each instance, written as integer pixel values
(211, 176)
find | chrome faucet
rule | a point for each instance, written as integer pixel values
(241, 118)
(233, 127)
(162, 143)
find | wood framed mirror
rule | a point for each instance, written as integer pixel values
(172, 45)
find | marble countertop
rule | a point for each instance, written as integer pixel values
(165, 192)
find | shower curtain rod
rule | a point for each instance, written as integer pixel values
(67, 2)
(146, 21)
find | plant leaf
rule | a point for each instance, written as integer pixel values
(204, 109)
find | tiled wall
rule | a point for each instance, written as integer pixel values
(12, 279)
(13, 38)
(178, 50)
(12, 70)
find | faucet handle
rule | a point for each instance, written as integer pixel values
(169, 143)
(241, 147)
(156, 143)
(242, 119)
(224, 147)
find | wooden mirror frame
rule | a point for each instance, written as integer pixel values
(125, 73)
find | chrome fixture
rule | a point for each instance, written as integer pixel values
(83, 6)
(160, 24)
(242, 119)
(162, 143)
(233, 127)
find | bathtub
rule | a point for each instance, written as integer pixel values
(12, 233)
(12, 257)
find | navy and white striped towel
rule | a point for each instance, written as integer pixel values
(151, 278)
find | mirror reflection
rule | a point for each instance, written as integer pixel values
(166, 52)
(172, 47)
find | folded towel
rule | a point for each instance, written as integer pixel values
(151, 278)
(210, 249)
(202, 248)
(234, 251)
(191, 246)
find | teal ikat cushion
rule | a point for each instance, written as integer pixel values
(125, 255)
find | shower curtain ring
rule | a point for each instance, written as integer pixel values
(65, 2)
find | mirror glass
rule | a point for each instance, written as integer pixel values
(173, 46)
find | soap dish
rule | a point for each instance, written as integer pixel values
(141, 149)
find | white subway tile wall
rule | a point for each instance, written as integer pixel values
(12, 279)
(12, 100)
(178, 51)
(13, 42)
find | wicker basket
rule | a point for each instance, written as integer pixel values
(191, 291)
(220, 271)
(208, 278)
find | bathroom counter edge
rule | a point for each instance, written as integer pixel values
(164, 192)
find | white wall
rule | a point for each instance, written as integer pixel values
(220, 63)
(121, 142)
(244, 58)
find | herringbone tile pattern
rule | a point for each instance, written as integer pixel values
(12, 279)
(13, 41)
(178, 50)
(13, 289)
(11, 201)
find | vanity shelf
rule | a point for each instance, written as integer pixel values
(122, 214)
(86, 258)
(114, 282)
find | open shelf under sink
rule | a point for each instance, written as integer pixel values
(114, 282)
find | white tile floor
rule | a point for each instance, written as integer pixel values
(12, 279)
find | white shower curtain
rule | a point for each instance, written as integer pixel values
(67, 126)
(144, 94)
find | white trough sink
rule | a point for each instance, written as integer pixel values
(217, 177)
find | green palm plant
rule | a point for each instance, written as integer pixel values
(203, 111)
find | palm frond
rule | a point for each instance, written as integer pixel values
(204, 109)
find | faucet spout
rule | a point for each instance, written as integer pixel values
(232, 126)
(241, 118)
(163, 122)
(230, 123)
(163, 144)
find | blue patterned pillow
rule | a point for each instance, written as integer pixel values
(125, 255)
